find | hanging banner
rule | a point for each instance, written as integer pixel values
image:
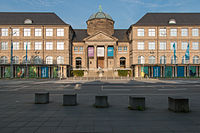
(100, 51)
(32, 72)
(90, 51)
(156, 71)
(110, 51)
(44, 72)
(144, 72)
(193, 72)
(180, 71)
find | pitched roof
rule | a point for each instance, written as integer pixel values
(120, 34)
(18, 18)
(162, 19)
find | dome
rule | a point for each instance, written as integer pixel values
(100, 14)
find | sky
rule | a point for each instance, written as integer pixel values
(77, 12)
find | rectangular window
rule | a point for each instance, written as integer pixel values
(80, 48)
(173, 32)
(49, 32)
(15, 32)
(195, 45)
(4, 32)
(4, 46)
(15, 45)
(163, 45)
(60, 32)
(75, 49)
(38, 45)
(172, 45)
(60, 45)
(152, 32)
(38, 32)
(140, 45)
(152, 46)
(119, 48)
(125, 48)
(184, 45)
(27, 32)
(162, 32)
(140, 32)
(184, 32)
(195, 32)
(49, 45)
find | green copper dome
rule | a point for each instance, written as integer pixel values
(100, 14)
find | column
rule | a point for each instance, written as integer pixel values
(106, 57)
(95, 56)
(64, 72)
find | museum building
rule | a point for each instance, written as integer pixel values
(43, 46)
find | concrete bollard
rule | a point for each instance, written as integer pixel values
(136, 103)
(69, 99)
(101, 102)
(178, 104)
(42, 98)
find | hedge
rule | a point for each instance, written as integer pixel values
(78, 73)
(124, 73)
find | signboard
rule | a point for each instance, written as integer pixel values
(20, 72)
(7, 72)
(180, 71)
(90, 51)
(110, 51)
(156, 71)
(144, 71)
(55, 72)
(44, 72)
(32, 72)
(100, 51)
(168, 72)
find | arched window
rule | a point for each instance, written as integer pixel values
(123, 62)
(15, 60)
(174, 60)
(78, 62)
(60, 60)
(152, 60)
(49, 60)
(4, 60)
(196, 60)
(184, 60)
(163, 60)
(28, 60)
(37, 60)
(141, 60)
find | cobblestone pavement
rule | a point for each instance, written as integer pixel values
(19, 114)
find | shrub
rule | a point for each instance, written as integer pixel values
(78, 73)
(124, 73)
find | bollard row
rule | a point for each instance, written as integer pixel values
(175, 104)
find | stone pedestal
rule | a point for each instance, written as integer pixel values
(137, 103)
(101, 102)
(41, 98)
(178, 104)
(69, 99)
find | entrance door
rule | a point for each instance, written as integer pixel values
(100, 62)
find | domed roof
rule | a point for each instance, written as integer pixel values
(100, 14)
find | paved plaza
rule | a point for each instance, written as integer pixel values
(19, 114)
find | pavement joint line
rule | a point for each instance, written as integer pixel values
(172, 89)
(116, 89)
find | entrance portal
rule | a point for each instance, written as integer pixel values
(100, 63)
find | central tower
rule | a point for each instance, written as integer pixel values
(100, 21)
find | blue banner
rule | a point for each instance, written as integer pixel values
(110, 51)
(156, 71)
(44, 72)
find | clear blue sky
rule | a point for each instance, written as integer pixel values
(76, 12)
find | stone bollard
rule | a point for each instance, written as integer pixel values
(178, 104)
(101, 102)
(69, 99)
(136, 103)
(42, 98)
